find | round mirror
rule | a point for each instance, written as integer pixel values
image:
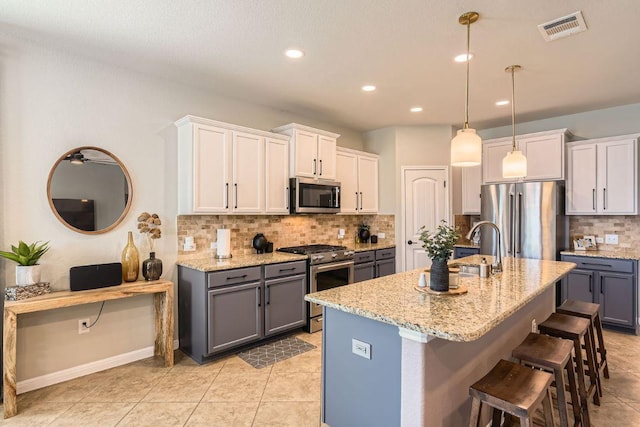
(89, 190)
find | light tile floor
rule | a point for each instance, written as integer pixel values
(229, 392)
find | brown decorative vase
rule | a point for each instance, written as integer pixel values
(152, 267)
(130, 261)
(439, 276)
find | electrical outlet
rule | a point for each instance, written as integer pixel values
(214, 245)
(82, 326)
(611, 239)
(381, 235)
(600, 240)
(534, 326)
(361, 348)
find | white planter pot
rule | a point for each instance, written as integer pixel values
(27, 274)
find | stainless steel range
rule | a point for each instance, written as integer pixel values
(329, 267)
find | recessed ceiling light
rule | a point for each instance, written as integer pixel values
(416, 109)
(502, 103)
(368, 88)
(294, 53)
(463, 57)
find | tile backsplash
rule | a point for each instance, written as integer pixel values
(282, 230)
(626, 227)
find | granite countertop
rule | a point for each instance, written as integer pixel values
(394, 299)
(630, 253)
(362, 247)
(211, 264)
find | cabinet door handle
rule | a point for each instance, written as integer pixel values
(236, 196)
(601, 284)
(286, 197)
(314, 166)
(258, 295)
(320, 161)
(356, 201)
(226, 202)
(361, 200)
(267, 295)
(236, 277)
(593, 197)
(604, 199)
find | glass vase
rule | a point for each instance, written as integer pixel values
(152, 267)
(130, 261)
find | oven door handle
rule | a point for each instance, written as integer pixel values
(331, 266)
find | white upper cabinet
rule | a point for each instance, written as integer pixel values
(602, 176)
(224, 168)
(312, 151)
(544, 152)
(276, 176)
(471, 186)
(357, 173)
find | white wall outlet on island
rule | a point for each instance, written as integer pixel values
(361, 348)
(611, 239)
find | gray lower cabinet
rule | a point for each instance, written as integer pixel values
(284, 304)
(235, 316)
(461, 252)
(371, 264)
(612, 283)
(222, 310)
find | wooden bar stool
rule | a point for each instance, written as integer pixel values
(592, 312)
(554, 354)
(514, 389)
(576, 329)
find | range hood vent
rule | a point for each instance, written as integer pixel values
(563, 27)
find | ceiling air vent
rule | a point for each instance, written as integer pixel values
(563, 27)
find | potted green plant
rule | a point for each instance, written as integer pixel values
(27, 257)
(439, 246)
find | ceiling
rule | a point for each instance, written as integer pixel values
(404, 47)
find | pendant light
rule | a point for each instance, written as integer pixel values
(514, 165)
(466, 147)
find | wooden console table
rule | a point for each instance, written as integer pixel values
(162, 291)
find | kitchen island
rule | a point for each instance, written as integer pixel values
(395, 356)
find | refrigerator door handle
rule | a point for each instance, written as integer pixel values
(518, 225)
(509, 245)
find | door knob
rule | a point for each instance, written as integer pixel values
(410, 242)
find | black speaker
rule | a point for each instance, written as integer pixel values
(95, 276)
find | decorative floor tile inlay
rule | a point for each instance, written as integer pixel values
(276, 351)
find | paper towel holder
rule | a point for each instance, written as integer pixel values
(218, 254)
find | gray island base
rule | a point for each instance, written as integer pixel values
(393, 356)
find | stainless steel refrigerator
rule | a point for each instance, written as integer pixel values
(530, 216)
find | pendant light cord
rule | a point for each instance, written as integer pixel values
(466, 92)
(513, 108)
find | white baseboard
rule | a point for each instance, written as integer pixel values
(86, 369)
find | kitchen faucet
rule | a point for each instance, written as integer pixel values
(497, 262)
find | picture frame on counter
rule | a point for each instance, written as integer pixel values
(584, 243)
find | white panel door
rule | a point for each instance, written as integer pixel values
(347, 175)
(581, 190)
(305, 154)
(211, 166)
(248, 173)
(425, 203)
(545, 157)
(326, 157)
(368, 184)
(471, 185)
(616, 177)
(492, 155)
(276, 176)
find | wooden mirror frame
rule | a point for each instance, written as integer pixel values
(124, 171)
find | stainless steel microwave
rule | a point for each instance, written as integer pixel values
(313, 196)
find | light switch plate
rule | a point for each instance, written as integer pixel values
(361, 348)
(611, 239)
(381, 235)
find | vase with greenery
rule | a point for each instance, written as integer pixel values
(27, 257)
(149, 225)
(439, 246)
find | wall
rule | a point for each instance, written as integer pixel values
(53, 101)
(626, 227)
(282, 230)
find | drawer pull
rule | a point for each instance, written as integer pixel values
(597, 264)
(282, 270)
(237, 277)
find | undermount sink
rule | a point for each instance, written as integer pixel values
(466, 269)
